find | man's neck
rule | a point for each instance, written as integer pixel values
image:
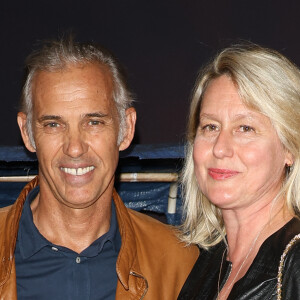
(75, 229)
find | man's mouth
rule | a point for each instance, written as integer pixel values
(78, 171)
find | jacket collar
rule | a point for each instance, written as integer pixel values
(10, 226)
(127, 263)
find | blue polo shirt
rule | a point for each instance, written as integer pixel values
(48, 271)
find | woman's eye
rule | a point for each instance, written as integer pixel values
(246, 128)
(209, 127)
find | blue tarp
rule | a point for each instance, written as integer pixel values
(142, 152)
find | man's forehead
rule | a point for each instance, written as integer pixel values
(77, 84)
(83, 67)
(86, 76)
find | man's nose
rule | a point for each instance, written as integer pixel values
(223, 146)
(75, 143)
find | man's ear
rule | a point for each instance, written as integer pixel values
(22, 121)
(130, 128)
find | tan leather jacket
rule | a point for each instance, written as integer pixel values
(151, 265)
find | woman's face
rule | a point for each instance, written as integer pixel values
(239, 159)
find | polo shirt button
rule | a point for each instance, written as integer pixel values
(78, 259)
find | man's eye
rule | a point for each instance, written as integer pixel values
(209, 127)
(52, 125)
(246, 128)
(95, 122)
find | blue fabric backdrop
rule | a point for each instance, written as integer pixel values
(141, 196)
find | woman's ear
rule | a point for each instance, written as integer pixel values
(289, 160)
(22, 121)
(130, 128)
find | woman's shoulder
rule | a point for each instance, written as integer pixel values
(289, 270)
(279, 240)
(291, 252)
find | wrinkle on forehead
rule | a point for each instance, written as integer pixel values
(69, 85)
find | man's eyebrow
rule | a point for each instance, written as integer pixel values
(49, 117)
(95, 115)
(88, 115)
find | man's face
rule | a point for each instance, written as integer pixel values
(75, 127)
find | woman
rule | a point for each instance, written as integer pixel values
(241, 178)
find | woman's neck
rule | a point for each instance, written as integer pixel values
(245, 225)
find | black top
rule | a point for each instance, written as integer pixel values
(260, 281)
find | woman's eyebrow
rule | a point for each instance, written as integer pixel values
(246, 115)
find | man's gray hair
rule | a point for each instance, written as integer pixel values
(56, 55)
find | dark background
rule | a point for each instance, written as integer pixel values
(162, 44)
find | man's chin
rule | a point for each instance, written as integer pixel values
(76, 202)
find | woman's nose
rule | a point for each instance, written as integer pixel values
(223, 146)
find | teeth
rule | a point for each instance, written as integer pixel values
(77, 171)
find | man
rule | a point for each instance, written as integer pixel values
(69, 236)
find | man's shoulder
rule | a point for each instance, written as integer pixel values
(161, 254)
(143, 221)
(6, 218)
(155, 233)
(4, 211)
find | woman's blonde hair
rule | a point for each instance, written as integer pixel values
(267, 82)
